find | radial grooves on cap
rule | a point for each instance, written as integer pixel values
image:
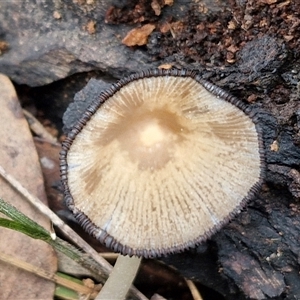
(190, 179)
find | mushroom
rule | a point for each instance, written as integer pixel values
(160, 162)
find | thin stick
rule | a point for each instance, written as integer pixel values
(38, 128)
(104, 266)
(44, 274)
(120, 279)
(193, 289)
(109, 255)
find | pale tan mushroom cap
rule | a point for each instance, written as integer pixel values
(162, 163)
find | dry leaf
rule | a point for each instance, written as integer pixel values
(18, 156)
(138, 36)
(156, 7)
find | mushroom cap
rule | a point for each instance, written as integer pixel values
(160, 162)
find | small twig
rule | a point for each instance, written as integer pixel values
(193, 289)
(44, 274)
(104, 266)
(109, 255)
(38, 128)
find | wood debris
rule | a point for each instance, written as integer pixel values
(138, 36)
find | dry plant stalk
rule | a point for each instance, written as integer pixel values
(104, 266)
(193, 289)
(42, 273)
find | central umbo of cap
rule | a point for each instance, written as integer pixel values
(161, 162)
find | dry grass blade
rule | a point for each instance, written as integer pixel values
(38, 128)
(42, 273)
(104, 266)
(194, 291)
